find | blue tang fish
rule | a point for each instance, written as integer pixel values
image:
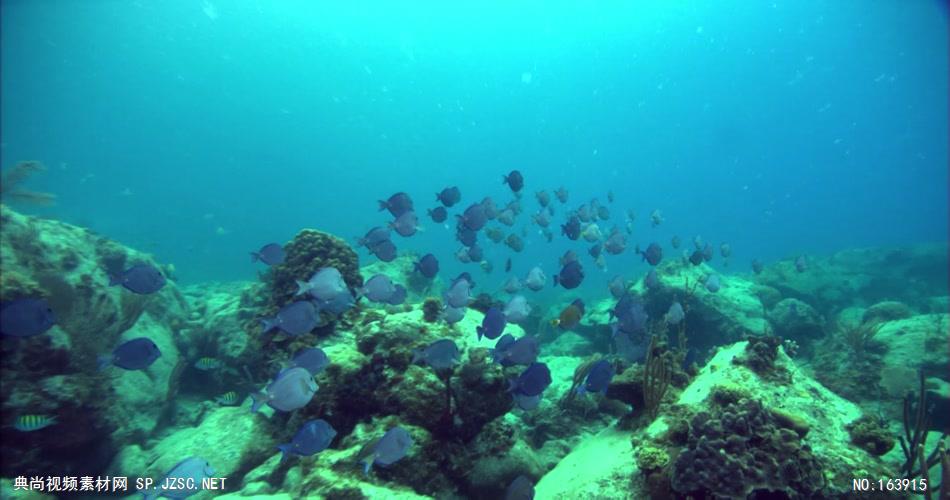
(313, 437)
(26, 317)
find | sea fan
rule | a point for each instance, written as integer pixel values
(13, 177)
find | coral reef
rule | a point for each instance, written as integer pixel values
(796, 320)
(56, 373)
(309, 251)
(760, 356)
(739, 449)
(795, 413)
(869, 433)
(431, 309)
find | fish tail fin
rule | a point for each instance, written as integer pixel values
(479, 330)
(114, 279)
(255, 256)
(368, 464)
(103, 362)
(285, 452)
(555, 280)
(268, 324)
(436, 199)
(504, 179)
(511, 385)
(302, 287)
(581, 390)
(259, 399)
(383, 205)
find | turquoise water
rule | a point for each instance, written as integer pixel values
(810, 136)
(199, 131)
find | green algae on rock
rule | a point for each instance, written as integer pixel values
(56, 372)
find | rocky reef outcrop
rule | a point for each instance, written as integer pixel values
(55, 374)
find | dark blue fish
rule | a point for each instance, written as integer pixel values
(707, 252)
(449, 196)
(493, 324)
(675, 314)
(466, 235)
(397, 204)
(561, 194)
(651, 280)
(514, 242)
(571, 275)
(459, 294)
(696, 258)
(583, 213)
(616, 243)
(393, 446)
(514, 179)
(135, 354)
(532, 381)
(800, 264)
(385, 251)
(406, 224)
(428, 265)
(464, 276)
(628, 349)
(140, 278)
(474, 217)
(440, 355)
(292, 389)
(438, 214)
(569, 256)
(618, 286)
(598, 378)
(294, 319)
(491, 211)
(523, 351)
(675, 242)
(398, 296)
(572, 229)
(313, 437)
(475, 253)
(757, 266)
(595, 250)
(374, 237)
(313, 359)
(338, 304)
(653, 254)
(378, 288)
(453, 315)
(713, 284)
(508, 264)
(270, 254)
(630, 313)
(503, 343)
(26, 317)
(543, 198)
(725, 250)
(603, 212)
(520, 489)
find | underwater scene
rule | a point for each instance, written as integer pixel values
(474, 250)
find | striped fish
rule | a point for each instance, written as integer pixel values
(29, 423)
(229, 398)
(206, 364)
